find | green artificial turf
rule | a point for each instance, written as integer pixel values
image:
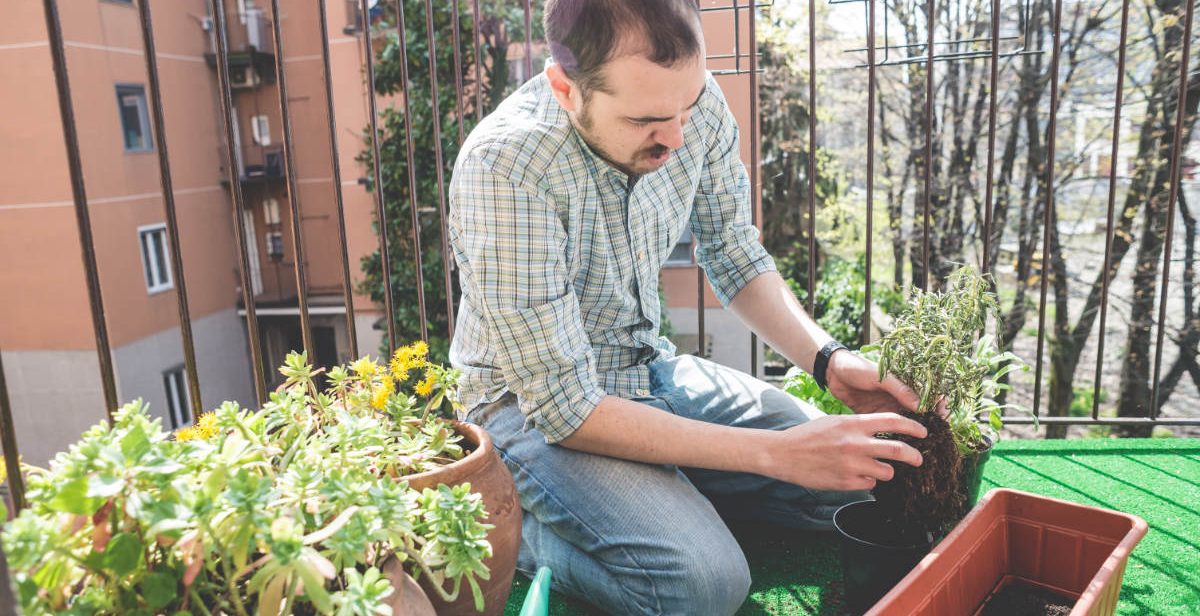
(1157, 479)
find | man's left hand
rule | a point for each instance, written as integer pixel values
(854, 380)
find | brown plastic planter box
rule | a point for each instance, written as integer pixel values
(1075, 550)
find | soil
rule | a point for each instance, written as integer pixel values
(1021, 599)
(928, 498)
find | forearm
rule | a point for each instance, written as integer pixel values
(767, 306)
(631, 430)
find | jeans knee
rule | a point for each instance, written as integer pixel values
(708, 584)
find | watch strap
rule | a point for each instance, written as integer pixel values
(821, 365)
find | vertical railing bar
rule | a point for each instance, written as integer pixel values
(79, 194)
(458, 81)
(168, 191)
(347, 292)
(385, 264)
(412, 176)
(1112, 200)
(993, 80)
(812, 157)
(293, 191)
(8, 603)
(441, 172)
(1047, 220)
(737, 37)
(528, 42)
(478, 63)
(871, 85)
(239, 201)
(931, 21)
(756, 190)
(8, 441)
(1171, 195)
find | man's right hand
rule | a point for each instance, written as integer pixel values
(839, 452)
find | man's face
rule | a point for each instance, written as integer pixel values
(640, 120)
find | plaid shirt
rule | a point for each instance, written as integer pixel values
(559, 254)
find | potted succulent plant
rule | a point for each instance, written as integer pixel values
(935, 348)
(300, 507)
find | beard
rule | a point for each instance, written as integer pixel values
(634, 166)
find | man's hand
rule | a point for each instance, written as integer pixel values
(840, 452)
(854, 379)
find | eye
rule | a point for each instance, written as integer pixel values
(639, 123)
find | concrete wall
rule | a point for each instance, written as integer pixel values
(55, 396)
(222, 364)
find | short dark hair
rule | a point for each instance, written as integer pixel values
(583, 35)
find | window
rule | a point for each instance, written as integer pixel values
(135, 121)
(271, 210)
(275, 245)
(681, 254)
(260, 129)
(179, 403)
(155, 262)
(256, 281)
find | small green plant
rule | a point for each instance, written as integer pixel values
(935, 348)
(803, 386)
(294, 508)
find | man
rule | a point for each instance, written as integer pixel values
(565, 202)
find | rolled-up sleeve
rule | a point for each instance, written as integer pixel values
(510, 247)
(728, 248)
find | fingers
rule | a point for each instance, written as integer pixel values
(879, 471)
(884, 449)
(860, 483)
(942, 409)
(903, 393)
(893, 423)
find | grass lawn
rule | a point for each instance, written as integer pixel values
(1157, 479)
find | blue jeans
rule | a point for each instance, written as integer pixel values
(636, 538)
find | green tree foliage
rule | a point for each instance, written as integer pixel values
(501, 24)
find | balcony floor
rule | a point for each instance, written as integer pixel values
(1157, 479)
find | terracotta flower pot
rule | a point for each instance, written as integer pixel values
(1075, 551)
(488, 476)
(874, 555)
(408, 598)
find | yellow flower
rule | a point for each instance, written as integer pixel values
(380, 396)
(400, 367)
(408, 358)
(187, 434)
(424, 388)
(207, 425)
(364, 367)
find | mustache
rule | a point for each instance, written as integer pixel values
(658, 150)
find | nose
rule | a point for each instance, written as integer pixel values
(671, 135)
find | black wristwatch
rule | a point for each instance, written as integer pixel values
(822, 362)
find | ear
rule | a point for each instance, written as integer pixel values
(565, 91)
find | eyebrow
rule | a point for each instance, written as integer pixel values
(652, 119)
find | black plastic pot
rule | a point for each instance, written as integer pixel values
(971, 475)
(875, 554)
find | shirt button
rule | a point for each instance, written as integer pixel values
(642, 255)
